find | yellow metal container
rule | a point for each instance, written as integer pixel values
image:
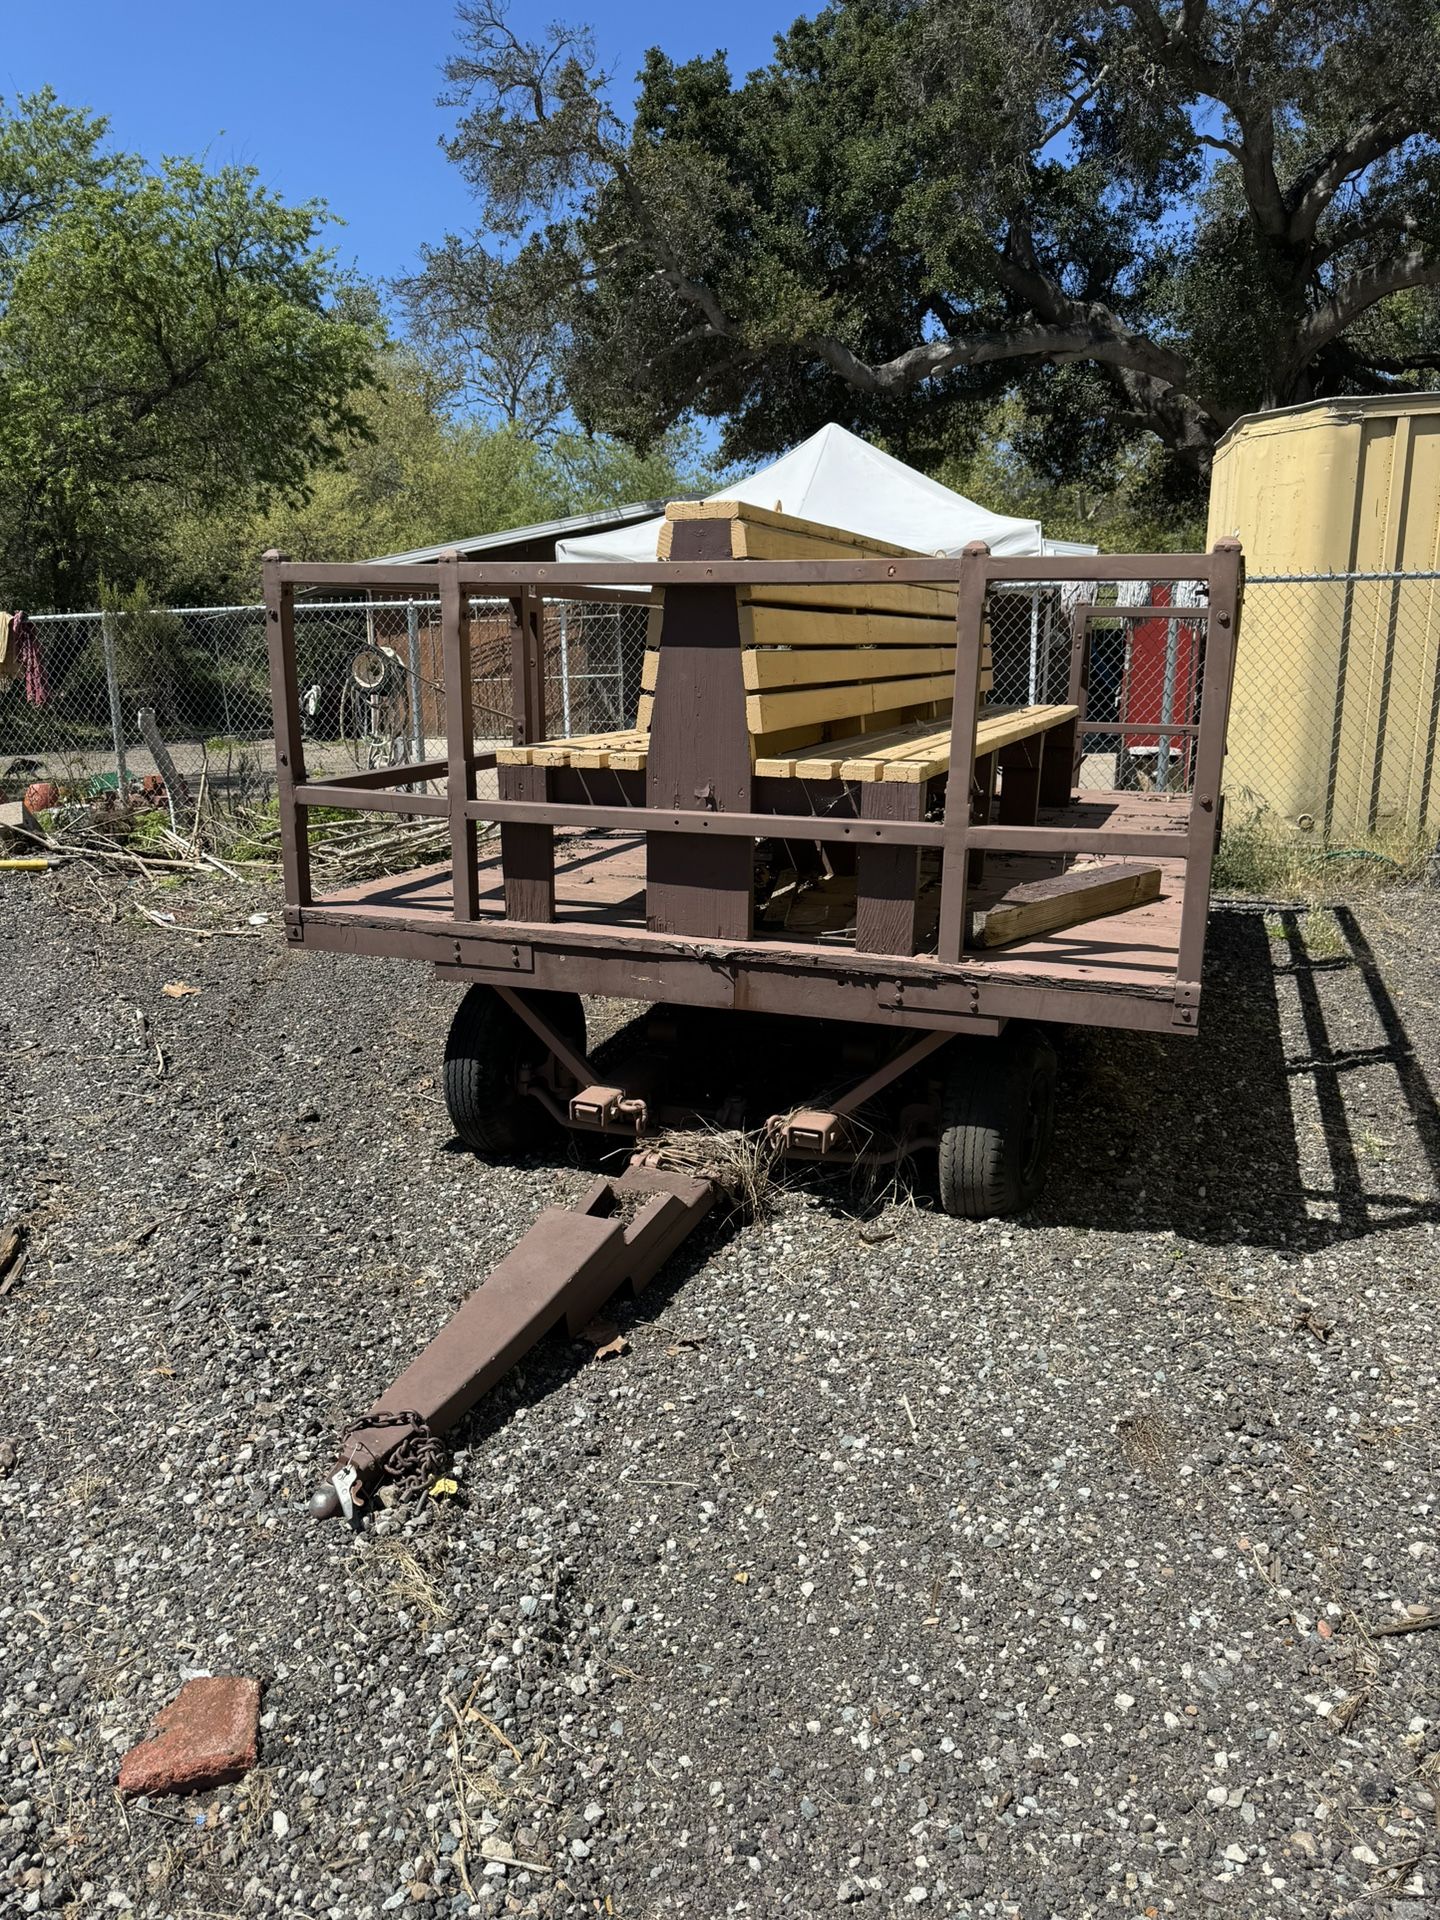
(1337, 684)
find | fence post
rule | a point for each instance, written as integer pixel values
(1167, 701)
(565, 664)
(112, 687)
(417, 718)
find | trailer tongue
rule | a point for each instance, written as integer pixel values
(810, 811)
(565, 1268)
(575, 1258)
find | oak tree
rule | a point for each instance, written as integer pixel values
(1130, 215)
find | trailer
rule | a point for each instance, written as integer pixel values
(781, 836)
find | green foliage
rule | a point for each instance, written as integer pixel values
(169, 340)
(1130, 500)
(156, 663)
(1122, 214)
(417, 477)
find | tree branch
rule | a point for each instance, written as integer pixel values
(1360, 292)
(1072, 111)
(1312, 190)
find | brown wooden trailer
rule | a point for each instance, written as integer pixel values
(782, 833)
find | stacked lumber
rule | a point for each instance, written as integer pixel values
(823, 662)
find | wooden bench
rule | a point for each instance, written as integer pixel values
(826, 684)
(835, 665)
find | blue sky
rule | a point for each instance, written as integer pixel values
(327, 98)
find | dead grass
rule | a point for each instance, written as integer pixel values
(743, 1166)
(1147, 1441)
(1259, 854)
(412, 1586)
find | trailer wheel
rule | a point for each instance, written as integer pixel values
(487, 1046)
(997, 1115)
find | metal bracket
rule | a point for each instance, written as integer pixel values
(811, 1131)
(1187, 1004)
(596, 1106)
(472, 958)
(917, 997)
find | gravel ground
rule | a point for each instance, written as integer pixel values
(1030, 1569)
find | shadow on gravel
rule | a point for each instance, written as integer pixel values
(1204, 1138)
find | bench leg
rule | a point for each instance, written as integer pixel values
(981, 794)
(527, 854)
(1059, 770)
(887, 879)
(1020, 781)
(700, 886)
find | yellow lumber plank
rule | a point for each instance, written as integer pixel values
(606, 749)
(1020, 724)
(754, 521)
(823, 760)
(907, 772)
(810, 540)
(908, 753)
(765, 712)
(762, 626)
(932, 602)
(824, 666)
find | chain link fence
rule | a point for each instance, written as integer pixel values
(103, 701)
(1335, 707)
(1333, 728)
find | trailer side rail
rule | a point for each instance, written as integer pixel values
(700, 846)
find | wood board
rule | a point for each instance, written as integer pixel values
(1066, 900)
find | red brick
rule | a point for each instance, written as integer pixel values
(206, 1735)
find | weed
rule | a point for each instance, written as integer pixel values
(1373, 1146)
(1259, 854)
(413, 1587)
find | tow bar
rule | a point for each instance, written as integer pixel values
(567, 1266)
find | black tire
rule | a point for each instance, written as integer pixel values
(997, 1116)
(487, 1046)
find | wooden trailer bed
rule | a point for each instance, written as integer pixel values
(626, 865)
(600, 882)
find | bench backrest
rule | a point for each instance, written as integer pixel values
(820, 662)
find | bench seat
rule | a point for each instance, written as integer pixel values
(910, 754)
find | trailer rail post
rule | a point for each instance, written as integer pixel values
(416, 691)
(527, 851)
(460, 737)
(1227, 585)
(969, 648)
(289, 742)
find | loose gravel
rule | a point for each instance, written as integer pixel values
(1033, 1568)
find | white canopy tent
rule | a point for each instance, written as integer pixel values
(838, 479)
